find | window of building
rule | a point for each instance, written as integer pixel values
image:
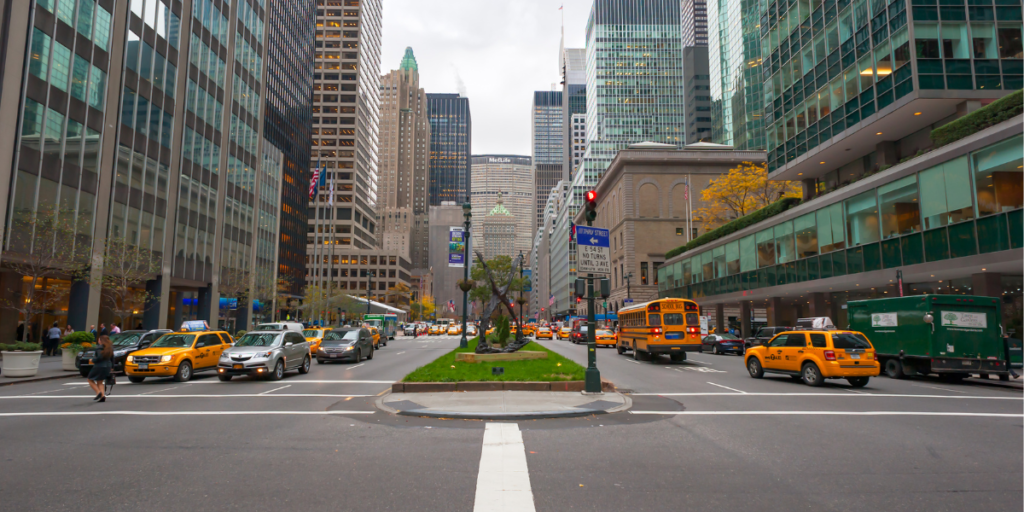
(765, 248)
(862, 218)
(748, 254)
(805, 232)
(680, 231)
(732, 258)
(831, 235)
(946, 194)
(784, 246)
(718, 260)
(643, 272)
(999, 176)
(899, 207)
(926, 40)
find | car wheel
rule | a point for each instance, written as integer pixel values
(715, 351)
(304, 369)
(135, 379)
(619, 349)
(858, 382)
(812, 375)
(184, 373)
(359, 354)
(754, 368)
(278, 372)
(894, 369)
(318, 361)
(224, 378)
(370, 355)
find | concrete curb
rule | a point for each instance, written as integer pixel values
(442, 387)
(27, 380)
(526, 415)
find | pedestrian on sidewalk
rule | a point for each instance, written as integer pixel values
(103, 330)
(68, 330)
(101, 368)
(116, 329)
(52, 340)
(92, 329)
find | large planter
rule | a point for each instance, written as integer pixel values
(21, 364)
(67, 361)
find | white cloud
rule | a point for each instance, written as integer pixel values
(499, 51)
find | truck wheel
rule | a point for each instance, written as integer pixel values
(678, 358)
(812, 375)
(858, 382)
(754, 368)
(134, 379)
(894, 369)
(619, 349)
(1004, 377)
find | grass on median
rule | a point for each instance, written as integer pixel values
(446, 369)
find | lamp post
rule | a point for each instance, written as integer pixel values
(521, 289)
(465, 285)
(369, 289)
(627, 277)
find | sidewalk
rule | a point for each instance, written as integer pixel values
(49, 368)
(503, 405)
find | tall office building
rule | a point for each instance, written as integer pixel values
(500, 235)
(288, 109)
(695, 22)
(696, 79)
(626, 103)
(510, 177)
(451, 146)
(402, 215)
(574, 101)
(138, 123)
(734, 58)
(546, 138)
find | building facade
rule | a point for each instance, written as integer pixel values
(563, 254)
(694, 22)
(574, 100)
(510, 177)
(402, 212)
(546, 136)
(451, 148)
(734, 57)
(499, 233)
(697, 78)
(445, 283)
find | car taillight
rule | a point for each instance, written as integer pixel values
(830, 355)
(876, 356)
(656, 330)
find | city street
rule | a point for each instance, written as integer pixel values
(701, 435)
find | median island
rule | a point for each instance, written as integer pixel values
(554, 368)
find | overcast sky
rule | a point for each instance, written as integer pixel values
(500, 50)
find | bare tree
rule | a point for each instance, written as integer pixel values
(235, 284)
(126, 268)
(43, 246)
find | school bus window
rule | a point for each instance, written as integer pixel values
(692, 319)
(673, 319)
(654, 319)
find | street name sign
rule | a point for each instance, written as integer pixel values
(592, 254)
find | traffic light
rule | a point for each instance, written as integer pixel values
(591, 205)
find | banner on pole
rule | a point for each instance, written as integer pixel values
(456, 247)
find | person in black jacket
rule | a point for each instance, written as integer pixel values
(102, 366)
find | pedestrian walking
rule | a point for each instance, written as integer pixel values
(92, 329)
(52, 340)
(116, 329)
(103, 330)
(68, 330)
(101, 368)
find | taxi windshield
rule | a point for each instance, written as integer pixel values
(125, 339)
(850, 340)
(175, 340)
(311, 333)
(256, 340)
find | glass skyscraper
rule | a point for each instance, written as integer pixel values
(451, 145)
(546, 131)
(734, 57)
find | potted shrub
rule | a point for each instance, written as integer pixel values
(73, 345)
(21, 359)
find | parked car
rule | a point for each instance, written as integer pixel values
(348, 343)
(722, 344)
(124, 343)
(280, 326)
(544, 333)
(579, 334)
(814, 356)
(265, 354)
(765, 334)
(410, 329)
(179, 355)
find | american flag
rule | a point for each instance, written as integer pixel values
(451, 306)
(551, 300)
(313, 181)
(686, 191)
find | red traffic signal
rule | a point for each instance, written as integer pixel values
(591, 205)
(591, 196)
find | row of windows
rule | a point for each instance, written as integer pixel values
(209, 17)
(85, 81)
(208, 61)
(150, 65)
(93, 20)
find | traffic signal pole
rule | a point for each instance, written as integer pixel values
(592, 380)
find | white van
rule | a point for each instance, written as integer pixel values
(280, 326)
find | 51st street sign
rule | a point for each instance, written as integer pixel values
(592, 254)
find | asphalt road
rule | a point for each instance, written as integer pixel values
(702, 435)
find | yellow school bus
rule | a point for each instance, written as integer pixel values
(663, 326)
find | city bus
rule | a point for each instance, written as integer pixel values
(386, 323)
(663, 326)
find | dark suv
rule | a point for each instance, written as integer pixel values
(579, 334)
(765, 334)
(124, 343)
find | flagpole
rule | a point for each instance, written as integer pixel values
(330, 257)
(689, 207)
(317, 238)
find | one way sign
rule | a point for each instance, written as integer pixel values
(592, 255)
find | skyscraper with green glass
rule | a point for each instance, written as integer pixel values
(734, 57)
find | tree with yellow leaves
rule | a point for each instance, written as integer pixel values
(422, 309)
(744, 190)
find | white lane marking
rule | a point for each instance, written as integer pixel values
(275, 389)
(938, 388)
(39, 393)
(181, 413)
(730, 389)
(159, 390)
(828, 413)
(145, 395)
(256, 382)
(354, 366)
(632, 361)
(854, 391)
(837, 394)
(503, 483)
(399, 353)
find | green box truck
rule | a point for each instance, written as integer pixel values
(950, 335)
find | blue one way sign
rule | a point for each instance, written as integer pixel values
(592, 255)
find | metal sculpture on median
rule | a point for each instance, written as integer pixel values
(499, 295)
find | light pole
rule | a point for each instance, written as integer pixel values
(369, 289)
(627, 277)
(520, 290)
(465, 285)
(592, 376)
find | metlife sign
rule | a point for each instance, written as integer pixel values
(592, 254)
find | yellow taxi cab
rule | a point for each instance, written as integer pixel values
(529, 330)
(434, 330)
(489, 331)
(376, 336)
(814, 356)
(314, 336)
(179, 355)
(605, 337)
(565, 332)
(454, 330)
(544, 333)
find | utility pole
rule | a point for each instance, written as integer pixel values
(467, 210)
(592, 382)
(628, 277)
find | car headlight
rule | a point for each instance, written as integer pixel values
(166, 359)
(263, 355)
(80, 354)
(224, 355)
(350, 347)
(130, 358)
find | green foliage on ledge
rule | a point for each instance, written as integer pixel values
(992, 114)
(729, 228)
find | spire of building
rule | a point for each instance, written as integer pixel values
(409, 61)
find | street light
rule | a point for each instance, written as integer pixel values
(627, 277)
(467, 212)
(521, 301)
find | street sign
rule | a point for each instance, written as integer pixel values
(627, 301)
(592, 254)
(704, 326)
